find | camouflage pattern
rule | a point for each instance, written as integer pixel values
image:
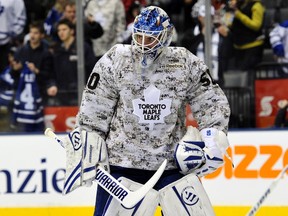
(141, 112)
(111, 16)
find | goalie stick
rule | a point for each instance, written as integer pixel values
(272, 186)
(126, 197)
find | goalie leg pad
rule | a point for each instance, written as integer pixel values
(186, 196)
(146, 207)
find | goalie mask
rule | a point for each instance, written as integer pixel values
(152, 31)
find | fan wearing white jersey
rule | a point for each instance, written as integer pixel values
(135, 100)
(279, 42)
(12, 23)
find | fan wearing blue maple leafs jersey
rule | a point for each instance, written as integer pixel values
(136, 97)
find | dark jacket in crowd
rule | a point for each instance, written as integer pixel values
(92, 30)
(43, 60)
(65, 68)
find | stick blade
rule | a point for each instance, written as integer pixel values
(134, 197)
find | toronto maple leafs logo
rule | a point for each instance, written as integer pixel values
(151, 110)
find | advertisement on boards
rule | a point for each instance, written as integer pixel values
(32, 170)
(267, 95)
(61, 118)
(32, 174)
(258, 158)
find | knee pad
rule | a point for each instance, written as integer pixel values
(185, 197)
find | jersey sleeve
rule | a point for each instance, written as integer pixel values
(207, 101)
(99, 97)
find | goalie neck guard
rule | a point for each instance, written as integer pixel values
(152, 31)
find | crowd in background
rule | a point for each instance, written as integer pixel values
(38, 55)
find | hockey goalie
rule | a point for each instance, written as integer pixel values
(132, 118)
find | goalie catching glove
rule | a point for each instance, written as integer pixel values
(84, 150)
(201, 152)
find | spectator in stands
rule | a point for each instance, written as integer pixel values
(92, 29)
(35, 54)
(7, 93)
(6, 82)
(130, 6)
(53, 16)
(199, 32)
(279, 43)
(28, 113)
(33, 81)
(226, 50)
(65, 63)
(111, 16)
(12, 23)
(194, 40)
(70, 12)
(134, 11)
(281, 119)
(247, 32)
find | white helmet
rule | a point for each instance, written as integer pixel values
(153, 24)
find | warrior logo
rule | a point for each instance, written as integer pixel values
(189, 196)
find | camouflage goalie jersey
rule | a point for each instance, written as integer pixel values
(141, 112)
